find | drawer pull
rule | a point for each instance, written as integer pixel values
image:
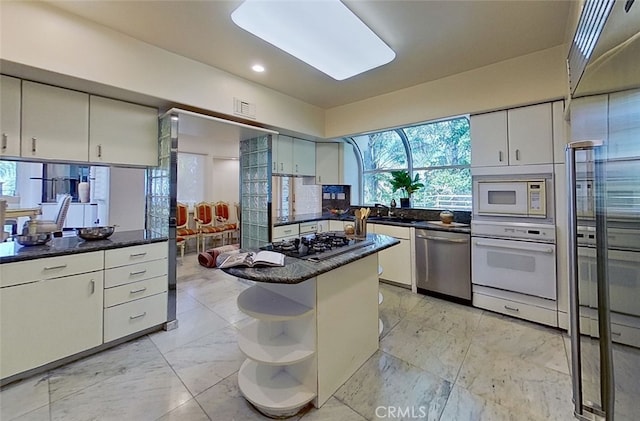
(140, 272)
(138, 254)
(512, 308)
(93, 286)
(55, 267)
(616, 333)
(138, 316)
(135, 291)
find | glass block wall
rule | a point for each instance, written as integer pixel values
(158, 204)
(255, 191)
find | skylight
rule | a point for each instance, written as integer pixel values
(323, 33)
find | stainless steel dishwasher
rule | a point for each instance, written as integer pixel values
(443, 264)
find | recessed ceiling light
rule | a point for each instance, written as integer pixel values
(258, 68)
(323, 33)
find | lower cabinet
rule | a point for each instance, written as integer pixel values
(44, 321)
(396, 261)
(56, 307)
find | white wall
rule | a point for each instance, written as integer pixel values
(38, 35)
(127, 198)
(532, 78)
(222, 175)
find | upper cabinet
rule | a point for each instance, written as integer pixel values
(292, 156)
(329, 160)
(282, 155)
(520, 136)
(10, 98)
(122, 133)
(55, 123)
(304, 157)
(489, 139)
(560, 132)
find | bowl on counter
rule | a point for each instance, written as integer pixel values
(32, 239)
(446, 217)
(95, 233)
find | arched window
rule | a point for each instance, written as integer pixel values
(439, 151)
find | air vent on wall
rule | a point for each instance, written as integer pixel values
(244, 108)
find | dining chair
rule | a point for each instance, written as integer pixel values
(205, 224)
(221, 212)
(183, 232)
(54, 226)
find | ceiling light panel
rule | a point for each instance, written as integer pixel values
(323, 33)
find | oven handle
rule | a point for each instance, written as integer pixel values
(546, 250)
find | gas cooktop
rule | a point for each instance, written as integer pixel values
(318, 246)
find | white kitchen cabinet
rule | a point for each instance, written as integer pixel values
(10, 98)
(489, 139)
(530, 135)
(396, 261)
(337, 225)
(285, 232)
(282, 154)
(135, 295)
(122, 133)
(329, 162)
(304, 157)
(519, 136)
(49, 319)
(55, 123)
(323, 226)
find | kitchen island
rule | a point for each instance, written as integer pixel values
(315, 323)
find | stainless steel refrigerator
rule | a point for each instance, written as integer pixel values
(603, 195)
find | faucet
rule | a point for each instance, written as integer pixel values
(380, 205)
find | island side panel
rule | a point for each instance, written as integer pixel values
(347, 317)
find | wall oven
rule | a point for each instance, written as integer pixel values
(516, 257)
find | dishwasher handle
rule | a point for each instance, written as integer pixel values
(443, 239)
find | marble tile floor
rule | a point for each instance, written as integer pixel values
(437, 361)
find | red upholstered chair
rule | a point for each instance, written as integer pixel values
(183, 232)
(205, 224)
(221, 212)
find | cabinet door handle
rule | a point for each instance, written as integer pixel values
(140, 272)
(33, 144)
(500, 156)
(93, 286)
(616, 333)
(138, 315)
(99, 147)
(4, 141)
(274, 166)
(138, 254)
(319, 179)
(517, 154)
(512, 308)
(135, 291)
(296, 167)
(281, 166)
(55, 267)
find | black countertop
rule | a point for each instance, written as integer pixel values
(11, 251)
(297, 270)
(399, 222)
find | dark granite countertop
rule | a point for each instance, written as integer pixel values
(420, 224)
(297, 270)
(13, 252)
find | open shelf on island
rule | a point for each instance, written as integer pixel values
(260, 303)
(272, 389)
(270, 343)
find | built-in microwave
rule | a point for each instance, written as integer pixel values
(525, 198)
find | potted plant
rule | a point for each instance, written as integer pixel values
(401, 180)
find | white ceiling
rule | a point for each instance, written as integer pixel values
(432, 39)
